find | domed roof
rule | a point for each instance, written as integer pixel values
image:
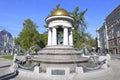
(59, 12)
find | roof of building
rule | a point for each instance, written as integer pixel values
(4, 32)
(113, 12)
(60, 12)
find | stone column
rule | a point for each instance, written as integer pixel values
(65, 36)
(54, 36)
(71, 38)
(49, 37)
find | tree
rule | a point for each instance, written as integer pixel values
(79, 27)
(79, 24)
(29, 36)
(29, 25)
(44, 39)
(89, 42)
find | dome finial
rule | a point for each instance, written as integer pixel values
(57, 6)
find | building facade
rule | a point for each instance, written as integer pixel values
(6, 41)
(102, 38)
(113, 26)
(108, 36)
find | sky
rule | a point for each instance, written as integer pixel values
(14, 12)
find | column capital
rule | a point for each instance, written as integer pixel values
(55, 27)
(65, 27)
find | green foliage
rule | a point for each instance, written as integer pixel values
(79, 27)
(10, 57)
(44, 39)
(29, 36)
(29, 25)
(79, 24)
(80, 37)
(89, 41)
(82, 41)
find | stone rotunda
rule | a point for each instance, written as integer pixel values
(59, 56)
(60, 28)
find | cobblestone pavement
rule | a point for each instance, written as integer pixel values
(111, 74)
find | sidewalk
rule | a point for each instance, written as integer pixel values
(4, 62)
(4, 66)
(115, 56)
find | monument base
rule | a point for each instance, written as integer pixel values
(63, 56)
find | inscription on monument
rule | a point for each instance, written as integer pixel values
(58, 72)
